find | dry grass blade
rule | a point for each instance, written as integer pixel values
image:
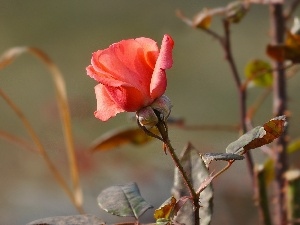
(17, 141)
(39, 146)
(7, 58)
(66, 119)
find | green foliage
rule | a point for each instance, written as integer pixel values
(197, 172)
(123, 200)
(259, 72)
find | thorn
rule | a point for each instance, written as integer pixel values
(165, 148)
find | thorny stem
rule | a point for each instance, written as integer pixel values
(163, 129)
(161, 126)
(279, 108)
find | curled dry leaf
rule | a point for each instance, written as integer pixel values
(120, 137)
(202, 19)
(209, 157)
(258, 136)
(290, 50)
(166, 210)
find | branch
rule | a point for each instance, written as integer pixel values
(279, 108)
(239, 86)
(291, 9)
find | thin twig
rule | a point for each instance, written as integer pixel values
(224, 169)
(240, 89)
(261, 196)
(211, 178)
(291, 9)
(258, 102)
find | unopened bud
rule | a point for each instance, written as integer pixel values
(147, 117)
(163, 106)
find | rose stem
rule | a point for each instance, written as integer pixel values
(162, 127)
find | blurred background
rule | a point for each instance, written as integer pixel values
(200, 86)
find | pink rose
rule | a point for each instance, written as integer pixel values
(131, 75)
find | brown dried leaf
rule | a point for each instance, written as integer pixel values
(209, 157)
(290, 50)
(202, 19)
(165, 211)
(121, 137)
(258, 136)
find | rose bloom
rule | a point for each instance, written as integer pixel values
(131, 75)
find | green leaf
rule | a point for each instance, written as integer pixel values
(269, 171)
(197, 173)
(293, 194)
(123, 200)
(261, 193)
(294, 146)
(260, 72)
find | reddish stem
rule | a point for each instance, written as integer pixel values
(279, 108)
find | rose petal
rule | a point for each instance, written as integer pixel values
(128, 98)
(165, 60)
(124, 61)
(159, 81)
(106, 107)
(151, 50)
(131, 74)
(105, 78)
